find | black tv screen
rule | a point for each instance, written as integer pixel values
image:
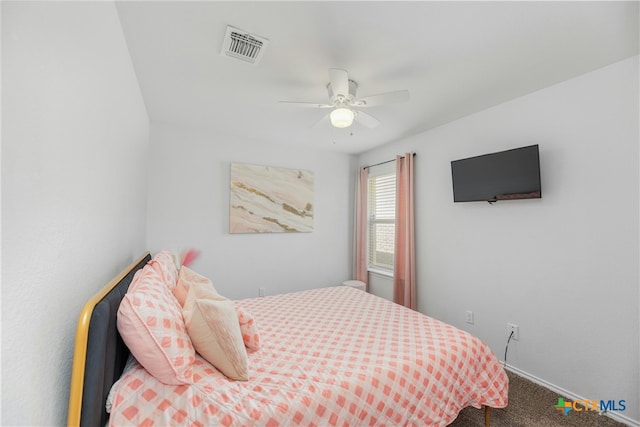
(506, 175)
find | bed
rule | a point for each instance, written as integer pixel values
(330, 356)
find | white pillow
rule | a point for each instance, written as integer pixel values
(214, 329)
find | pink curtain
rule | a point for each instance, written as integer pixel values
(404, 264)
(361, 227)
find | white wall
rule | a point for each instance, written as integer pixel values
(564, 267)
(381, 285)
(189, 208)
(74, 144)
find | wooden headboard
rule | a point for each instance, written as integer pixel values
(100, 354)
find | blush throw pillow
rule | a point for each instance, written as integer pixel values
(205, 289)
(187, 278)
(214, 329)
(151, 324)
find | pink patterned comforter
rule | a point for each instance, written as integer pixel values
(332, 356)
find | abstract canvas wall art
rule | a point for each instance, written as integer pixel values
(266, 199)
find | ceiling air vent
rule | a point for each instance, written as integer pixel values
(241, 45)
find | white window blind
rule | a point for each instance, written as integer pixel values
(382, 210)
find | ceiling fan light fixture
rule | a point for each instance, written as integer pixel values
(342, 117)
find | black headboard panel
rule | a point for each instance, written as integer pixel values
(106, 354)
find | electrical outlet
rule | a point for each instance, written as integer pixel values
(260, 292)
(515, 329)
(469, 314)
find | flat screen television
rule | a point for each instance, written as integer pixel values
(506, 175)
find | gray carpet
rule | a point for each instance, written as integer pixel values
(531, 405)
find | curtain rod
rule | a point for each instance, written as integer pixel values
(387, 161)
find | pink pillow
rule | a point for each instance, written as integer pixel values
(214, 329)
(163, 262)
(248, 329)
(151, 324)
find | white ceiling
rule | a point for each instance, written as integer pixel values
(455, 58)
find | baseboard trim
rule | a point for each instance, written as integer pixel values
(568, 394)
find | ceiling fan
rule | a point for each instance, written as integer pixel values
(345, 105)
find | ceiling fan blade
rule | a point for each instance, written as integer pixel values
(322, 121)
(339, 81)
(366, 120)
(306, 104)
(383, 98)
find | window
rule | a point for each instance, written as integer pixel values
(381, 214)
